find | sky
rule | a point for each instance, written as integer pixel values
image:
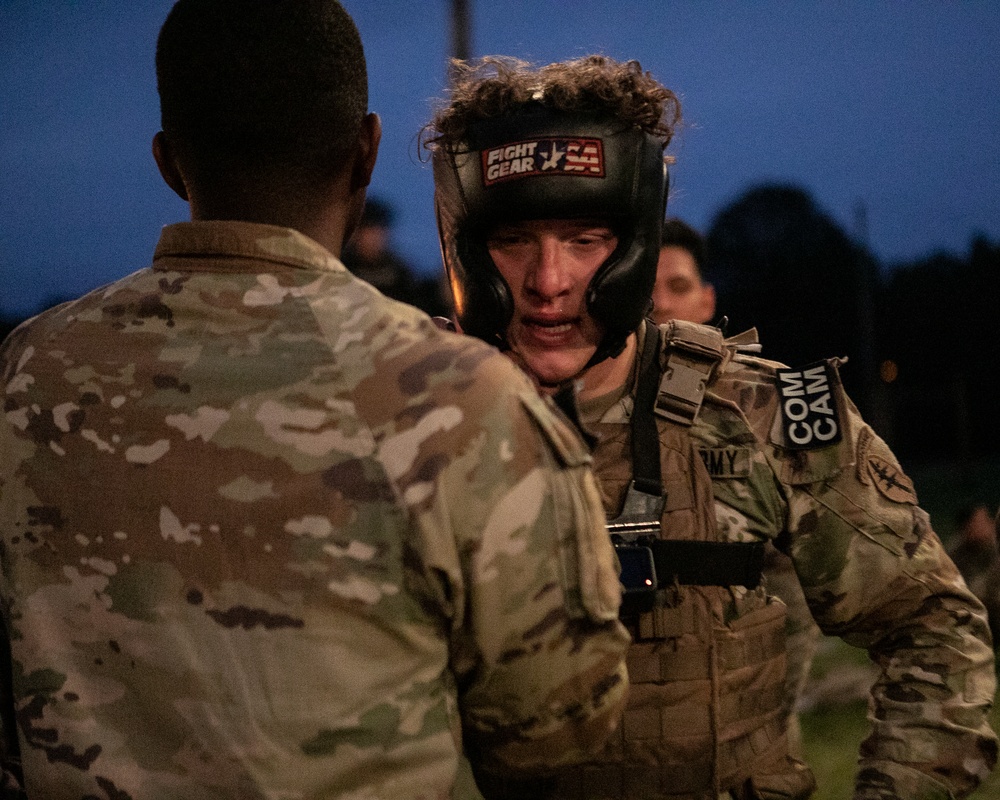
(887, 107)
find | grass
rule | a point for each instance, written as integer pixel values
(830, 739)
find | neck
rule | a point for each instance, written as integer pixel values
(610, 374)
(327, 218)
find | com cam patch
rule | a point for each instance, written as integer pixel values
(809, 414)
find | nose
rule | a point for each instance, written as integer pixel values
(549, 276)
(664, 304)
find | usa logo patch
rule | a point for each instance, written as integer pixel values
(809, 413)
(554, 155)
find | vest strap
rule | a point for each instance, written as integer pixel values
(707, 563)
(692, 353)
(646, 473)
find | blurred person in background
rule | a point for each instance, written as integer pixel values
(681, 291)
(369, 255)
(977, 556)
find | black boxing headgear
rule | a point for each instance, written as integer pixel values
(544, 164)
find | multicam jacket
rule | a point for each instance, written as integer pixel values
(789, 460)
(815, 478)
(268, 534)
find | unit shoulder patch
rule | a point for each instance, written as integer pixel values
(877, 467)
(890, 480)
(809, 414)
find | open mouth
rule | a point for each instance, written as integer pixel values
(551, 328)
(549, 333)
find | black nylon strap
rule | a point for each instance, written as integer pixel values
(687, 563)
(707, 563)
(645, 436)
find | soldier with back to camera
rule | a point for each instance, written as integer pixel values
(264, 532)
(550, 191)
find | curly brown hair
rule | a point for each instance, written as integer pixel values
(498, 86)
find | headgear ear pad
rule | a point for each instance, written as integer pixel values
(542, 164)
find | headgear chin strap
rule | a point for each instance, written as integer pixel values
(543, 164)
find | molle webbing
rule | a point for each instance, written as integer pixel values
(690, 779)
(692, 728)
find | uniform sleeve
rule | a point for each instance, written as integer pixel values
(537, 648)
(10, 760)
(875, 573)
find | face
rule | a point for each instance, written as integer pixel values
(369, 241)
(548, 265)
(679, 292)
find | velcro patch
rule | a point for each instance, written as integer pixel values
(809, 414)
(550, 155)
(726, 462)
(865, 439)
(890, 480)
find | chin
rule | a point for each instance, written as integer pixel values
(554, 374)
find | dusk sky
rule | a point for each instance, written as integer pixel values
(892, 106)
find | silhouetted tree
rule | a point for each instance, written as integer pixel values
(937, 324)
(781, 264)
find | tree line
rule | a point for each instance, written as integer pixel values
(920, 339)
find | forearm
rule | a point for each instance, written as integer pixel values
(538, 649)
(930, 736)
(928, 634)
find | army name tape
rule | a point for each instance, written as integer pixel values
(726, 462)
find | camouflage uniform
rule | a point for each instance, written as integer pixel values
(268, 534)
(703, 718)
(802, 637)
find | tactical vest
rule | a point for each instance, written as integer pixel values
(707, 666)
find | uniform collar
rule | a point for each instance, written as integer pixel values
(203, 245)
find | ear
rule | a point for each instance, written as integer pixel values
(708, 301)
(368, 142)
(163, 154)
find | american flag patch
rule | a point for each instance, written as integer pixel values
(549, 156)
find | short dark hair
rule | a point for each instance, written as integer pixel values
(677, 233)
(261, 87)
